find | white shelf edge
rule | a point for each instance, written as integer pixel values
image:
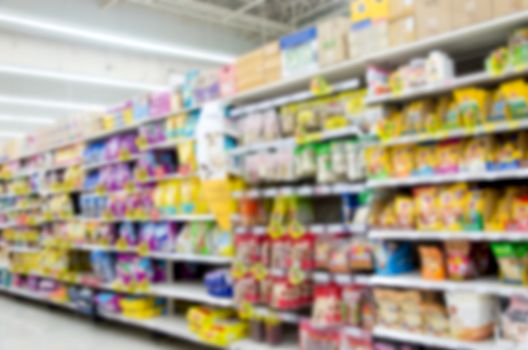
(97, 165)
(416, 235)
(302, 190)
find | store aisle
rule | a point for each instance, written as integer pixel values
(28, 326)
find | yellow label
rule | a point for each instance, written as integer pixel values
(296, 276)
(218, 194)
(141, 175)
(124, 155)
(296, 230)
(489, 127)
(246, 311)
(143, 249)
(121, 243)
(238, 270)
(100, 189)
(259, 272)
(335, 122)
(319, 86)
(309, 138)
(513, 124)
(141, 142)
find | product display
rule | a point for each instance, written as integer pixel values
(356, 184)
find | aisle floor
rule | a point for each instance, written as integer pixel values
(26, 325)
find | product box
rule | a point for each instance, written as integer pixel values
(401, 8)
(299, 52)
(226, 76)
(332, 41)
(368, 39)
(249, 73)
(272, 62)
(402, 30)
(506, 7)
(433, 17)
(369, 10)
(467, 12)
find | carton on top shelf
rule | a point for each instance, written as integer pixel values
(506, 7)
(332, 40)
(467, 12)
(369, 10)
(434, 17)
(299, 52)
(402, 30)
(401, 8)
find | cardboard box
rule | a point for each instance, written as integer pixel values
(506, 7)
(369, 10)
(369, 39)
(433, 17)
(401, 8)
(332, 41)
(402, 30)
(467, 12)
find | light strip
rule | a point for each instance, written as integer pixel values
(113, 39)
(30, 101)
(27, 120)
(28, 71)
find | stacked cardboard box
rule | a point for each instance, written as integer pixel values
(433, 17)
(506, 7)
(248, 70)
(332, 41)
(299, 52)
(370, 29)
(467, 12)
(402, 22)
(272, 62)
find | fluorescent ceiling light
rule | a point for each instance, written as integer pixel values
(115, 40)
(27, 120)
(30, 101)
(11, 134)
(28, 71)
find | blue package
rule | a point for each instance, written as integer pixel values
(393, 258)
(103, 266)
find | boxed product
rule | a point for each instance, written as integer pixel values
(299, 52)
(468, 12)
(271, 62)
(401, 8)
(332, 39)
(433, 17)
(362, 11)
(248, 70)
(506, 7)
(367, 39)
(402, 30)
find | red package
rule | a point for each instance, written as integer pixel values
(320, 338)
(302, 253)
(327, 305)
(356, 339)
(280, 252)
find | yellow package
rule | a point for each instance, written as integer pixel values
(415, 115)
(510, 151)
(402, 160)
(472, 105)
(158, 196)
(190, 195)
(499, 209)
(515, 94)
(187, 158)
(427, 210)
(200, 317)
(404, 212)
(172, 196)
(377, 161)
(201, 207)
(354, 102)
(448, 115)
(391, 126)
(108, 122)
(451, 206)
(474, 206)
(449, 155)
(224, 332)
(425, 160)
(478, 151)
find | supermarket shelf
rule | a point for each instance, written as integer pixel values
(490, 128)
(316, 229)
(284, 316)
(414, 235)
(56, 167)
(414, 280)
(19, 292)
(19, 249)
(302, 190)
(290, 98)
(169, 325)
(170, 143)
(445, 86)
(484, 176)
(18, 209)
(189, 291)
(97, 165)
(429, 340)
(175, 218)
(460, 41)
(249, 344)
(19, 195)
(292, 141)
(170, 256)
(165, 178)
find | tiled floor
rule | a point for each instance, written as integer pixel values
(25, 325)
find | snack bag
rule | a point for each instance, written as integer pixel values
(520, 213)
(474, 206)
(448, 114)
(449, 156)
(451, 206)
(416, 114)
(377, 162)
(325, 173)
(437, 320)
(327, 305)
(477, 153)
(472, 105)
(426, 161)
(391, 126)
(402, 160)
(388, 305)
(427, 209)
(513, 261)
(498, 209)
(510, 151)
(411, 311)
(515, 94)
(460, 264)
(405, 212)
(432, 262)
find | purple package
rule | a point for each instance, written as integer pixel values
(112, 148)
(160, 103)
(125, 268)
(128, 142)
(128, 232)
(118, 206)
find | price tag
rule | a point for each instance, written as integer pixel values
(319, 86)
(513, 124)
(121, 244)
(141, 142)
(124, 155)
(143, 286)
(142, 175)
(246, 311)
(259, 271)
(488, 127)
(309, 138)
(238, 270)
(296, 230)
(100, 189)
(143, 249)
(275, 230)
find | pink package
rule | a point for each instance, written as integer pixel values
(160, 103)
(111, 151)
(227, 80)
(128, 142)
(118, 206)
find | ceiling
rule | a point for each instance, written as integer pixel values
(57, 57)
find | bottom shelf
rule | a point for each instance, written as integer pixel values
(36, 297)
(249, 344)
(428, 340)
